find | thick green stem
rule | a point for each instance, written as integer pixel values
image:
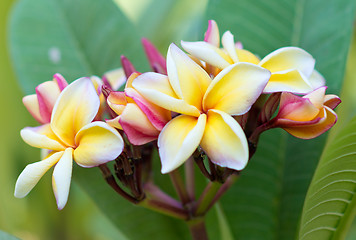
(228, 183)
(197, 229)
(207, 198)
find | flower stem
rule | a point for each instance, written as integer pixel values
(199, 160)
(197, 229)
(164, 208)
(113, 184)
(207, 197)
(189, 179)
(228, 183)
(155, 192)
(178, 184)
(256, 133)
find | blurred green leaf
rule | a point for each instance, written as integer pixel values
(174, 21)
(135, 222)
(75, 38)
(267, 200)
(330, 204)
(6, 236)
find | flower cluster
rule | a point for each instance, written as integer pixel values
(210, 103)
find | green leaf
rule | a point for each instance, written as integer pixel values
(6, 236)
(330, 204)
(267, 201)
(75, 38)
(175, 21)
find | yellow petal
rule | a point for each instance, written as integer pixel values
(179, 139)
(156, 88)
(97, 143)
(288, 81)
(33, 173)
(246, 56)
(208, 53)
(328, 119)
(76, 106)
(289, 58)
(236, 88)
(42, 137)
(97, 82)
(117, 101)
(114, 122)
(224, 141)
(188, 80)
(132, 77)
(228, 43)
(62, 175)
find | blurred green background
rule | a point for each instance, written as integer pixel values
(36, 216)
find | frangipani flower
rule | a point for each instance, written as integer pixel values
(71, 135)
(309, 116)
(40, 105)
(292, 68)
(205, 106)
(141, 120)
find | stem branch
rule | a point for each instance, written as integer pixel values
(189, 179)
(197, 229)
(207, 197)
(113, 184)
(178, 184)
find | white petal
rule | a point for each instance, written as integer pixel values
(179, 139)
(224, 141)
(228, 43)
(41, 137)
(33, 173)
(207, 53)
(316, 80)
(62, 176)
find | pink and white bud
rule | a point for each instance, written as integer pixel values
(141, 120)
(40, 105)
(309, 116)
